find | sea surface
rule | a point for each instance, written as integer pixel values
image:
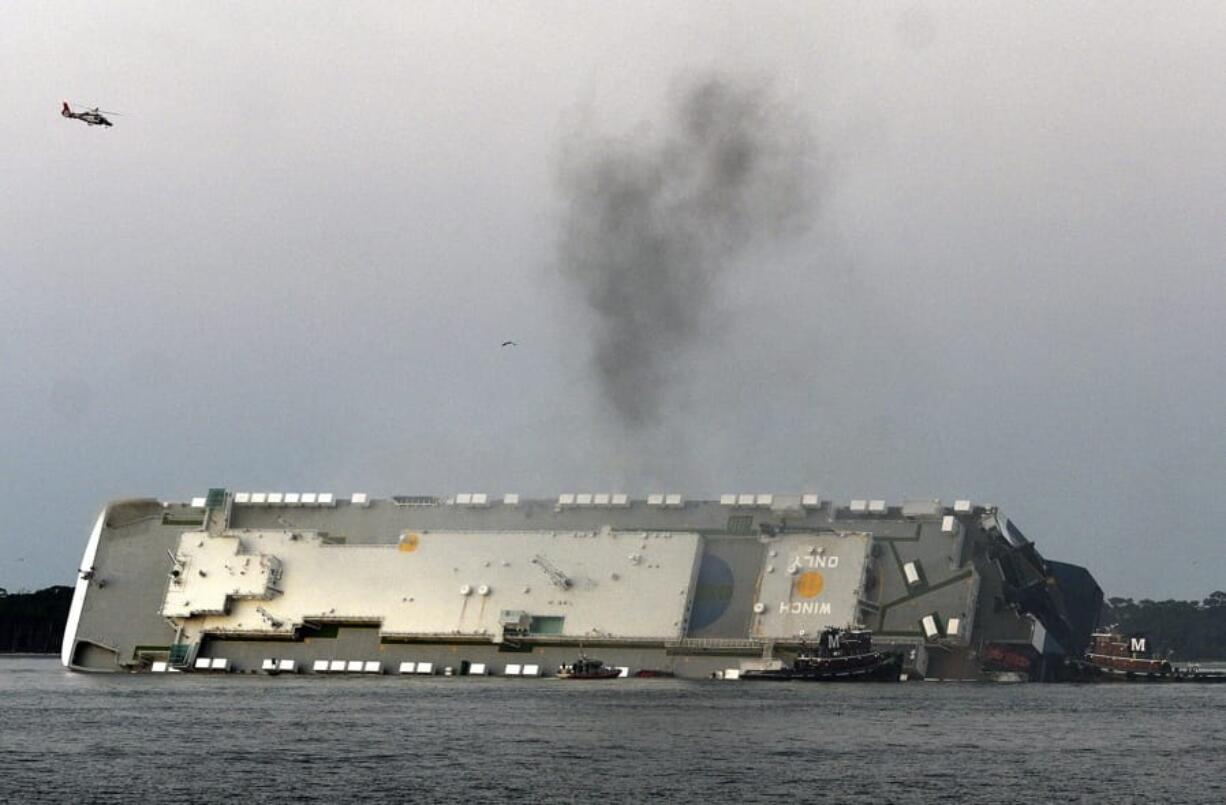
(195, 738)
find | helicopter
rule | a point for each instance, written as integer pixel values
(92, 117)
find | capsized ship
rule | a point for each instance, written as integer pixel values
(314, 582)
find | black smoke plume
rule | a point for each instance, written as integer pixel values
(652, 222)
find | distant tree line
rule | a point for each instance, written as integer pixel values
(33, 623)
(1189, 630)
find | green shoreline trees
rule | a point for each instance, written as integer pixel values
(33, 623)
(1188, 630)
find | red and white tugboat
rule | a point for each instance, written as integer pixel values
(1114, 656)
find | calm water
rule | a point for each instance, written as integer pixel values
(73, 737)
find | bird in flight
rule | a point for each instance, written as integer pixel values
(509, 344)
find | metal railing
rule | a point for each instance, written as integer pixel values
(715, 643)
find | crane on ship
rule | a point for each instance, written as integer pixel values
(559, 579)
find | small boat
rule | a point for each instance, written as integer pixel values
(841, 655)
(587, 668)
(1114, 657)
(1111, 654)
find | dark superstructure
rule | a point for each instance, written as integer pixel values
(841, 655)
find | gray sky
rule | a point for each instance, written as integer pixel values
(290, 263)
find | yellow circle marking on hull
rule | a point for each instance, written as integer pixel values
(809, 584)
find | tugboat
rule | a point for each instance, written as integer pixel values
(841, 655)
(1113, 657)
(587, 668)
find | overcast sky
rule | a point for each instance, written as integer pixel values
(290, 264)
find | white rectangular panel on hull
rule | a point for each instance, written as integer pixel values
(810, 581)
(431, 583)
